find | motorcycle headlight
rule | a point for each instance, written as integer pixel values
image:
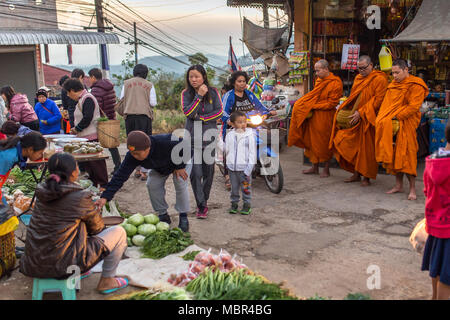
(256, 120)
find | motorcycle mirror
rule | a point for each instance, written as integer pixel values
(275, 100)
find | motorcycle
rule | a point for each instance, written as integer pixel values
(268, 163)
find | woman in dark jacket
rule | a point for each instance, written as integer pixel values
(202, 106)
(66, 229)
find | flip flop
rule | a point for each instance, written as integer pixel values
(137, 175)
(123, 282)
(86, 274)
(144, 178)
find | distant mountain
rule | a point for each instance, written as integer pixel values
(166, 64)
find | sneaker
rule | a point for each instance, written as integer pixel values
(246, 209)
(165, 218)
(202, 213)
(184, 224)
(234, 208)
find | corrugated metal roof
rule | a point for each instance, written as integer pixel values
(14, 37)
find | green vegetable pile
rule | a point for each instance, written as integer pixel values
(23, 180)
(138, 227)
(161, 243)
(235, 285)
(175, 294)
(190, 256)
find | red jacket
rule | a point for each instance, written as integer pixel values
(436, 180)
(103, 91)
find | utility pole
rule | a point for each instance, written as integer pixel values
(135, 44)
(265, 15)
(101, 28)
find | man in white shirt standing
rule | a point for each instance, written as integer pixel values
(139, 99)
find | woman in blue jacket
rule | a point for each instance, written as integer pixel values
(16, 150)
(48, 114)
(239, 99)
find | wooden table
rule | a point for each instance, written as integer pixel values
(44, 163)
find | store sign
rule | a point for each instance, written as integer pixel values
(350, 56)
(374, 19)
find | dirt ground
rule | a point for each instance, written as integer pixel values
(320, 236)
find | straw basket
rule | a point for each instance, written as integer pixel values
(395, 126)
(108, 133)
(7, 253)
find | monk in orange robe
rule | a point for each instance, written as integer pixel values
(313, 133)
(402, 102)
(354, 147)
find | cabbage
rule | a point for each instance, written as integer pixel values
(129, 243)
(136, 219)
(138, 240)
(151, 218)
(130, 229)
(146, 229)
(162, 226)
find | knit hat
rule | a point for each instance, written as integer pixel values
(41, 92)
(138, 141)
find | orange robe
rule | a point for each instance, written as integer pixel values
(313, 134)
(354, 148)
(402, 101)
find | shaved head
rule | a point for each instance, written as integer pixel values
(365, 59)
(323, 63)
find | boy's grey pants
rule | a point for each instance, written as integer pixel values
(236, 179)
(157, 192)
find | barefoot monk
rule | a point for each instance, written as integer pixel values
(398, 153)
(312, 118)
(353, 142)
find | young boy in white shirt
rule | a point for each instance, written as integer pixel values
(240, 151)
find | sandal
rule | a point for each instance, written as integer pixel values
(144, 177)
(137, 174)
(122, 282)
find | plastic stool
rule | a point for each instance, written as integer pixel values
(40, 286)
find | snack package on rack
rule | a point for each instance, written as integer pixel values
(21, 204)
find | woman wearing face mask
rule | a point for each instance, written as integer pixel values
(202, 106)
(48, 114)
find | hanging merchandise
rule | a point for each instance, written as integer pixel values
(350, 56)
(385, 57)
(268, 93)
(299, 66)
(255, 85)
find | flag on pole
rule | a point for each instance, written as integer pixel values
(232, 60)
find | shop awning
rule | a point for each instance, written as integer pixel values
(17, 37)
(431, 23)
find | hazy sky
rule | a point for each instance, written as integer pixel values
(207, 30)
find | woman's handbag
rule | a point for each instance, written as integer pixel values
(120, 107)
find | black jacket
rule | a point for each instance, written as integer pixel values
(62, 233)
(159, 159)
(69, 105)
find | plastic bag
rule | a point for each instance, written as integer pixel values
(419, 236)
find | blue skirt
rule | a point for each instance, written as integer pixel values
(436, 258)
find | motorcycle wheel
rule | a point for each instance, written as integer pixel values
(275, 182)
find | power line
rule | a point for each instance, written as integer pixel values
(190, 15)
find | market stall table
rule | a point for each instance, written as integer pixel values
(33, 164)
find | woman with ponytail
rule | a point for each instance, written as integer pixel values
(66, 229)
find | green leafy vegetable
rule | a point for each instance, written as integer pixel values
(161, 243)
(102, 119)
(357, 296)
(24, 181)
(175, 294)
(190, 256)
(235, 285)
